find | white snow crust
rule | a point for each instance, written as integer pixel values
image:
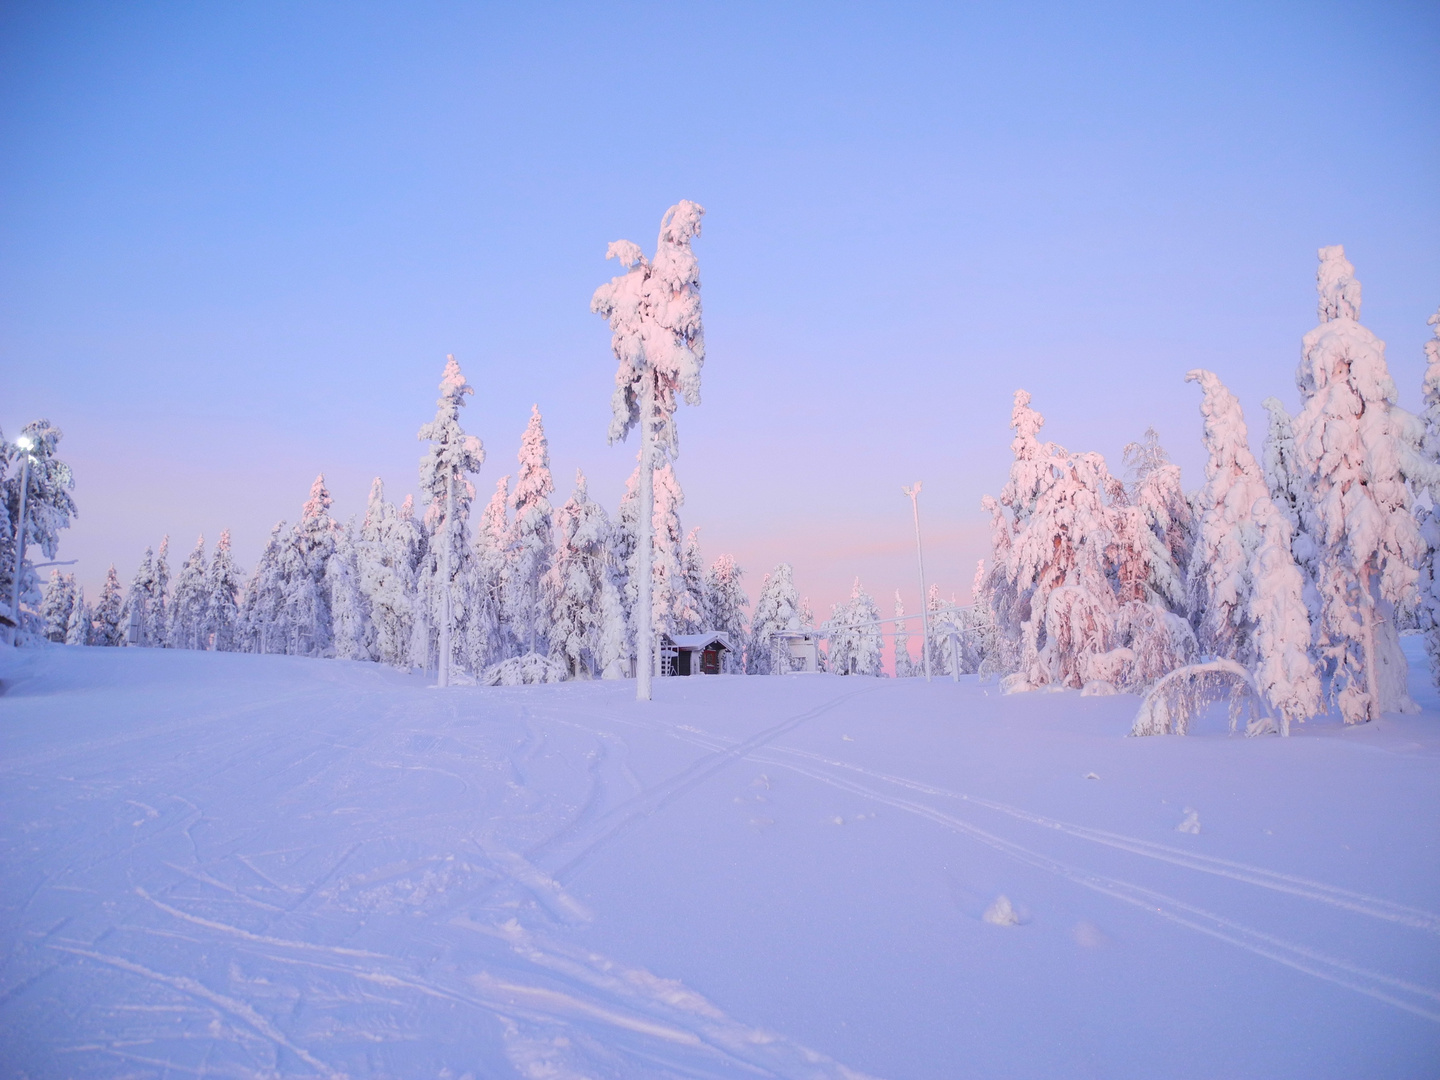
(241, 865)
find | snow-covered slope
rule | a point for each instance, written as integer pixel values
(236, 865)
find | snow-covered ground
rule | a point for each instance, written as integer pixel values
(237, 865)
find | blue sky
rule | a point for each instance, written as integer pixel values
(237, 241)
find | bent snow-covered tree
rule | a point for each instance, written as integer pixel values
(657, 336)
(1348, 444)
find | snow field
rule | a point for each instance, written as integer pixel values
(245, 865)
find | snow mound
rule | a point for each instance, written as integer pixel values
(527, 670)
(1001, 913)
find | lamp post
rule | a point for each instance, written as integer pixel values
(25, 444)
(914, 492)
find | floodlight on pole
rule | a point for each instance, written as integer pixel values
(914, 492)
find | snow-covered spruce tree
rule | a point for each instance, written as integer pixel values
(727, 603)
(978, 629)
(777, 608)
(658, 338)
(220, 630)
(677, 610)
(674, 609)
(1428, 603)
(1245, 589)
(942, 629)
(1285, 479)
(1054, 554)
(530, 540)
(624, 546)
(350, 626)
(159, 632)
(385, 557)
(1082, 579)
(492, 575)
(444, 478)
(139, 615)
(577, 579)
(48, 509)
(693, 573)
(857, 644)
(79, 629)
(1153, 528)
(1351, 455)
(303, 559)
(904, 665)
(189, 604)
(262, 621)
(108, 628)
(55, 606)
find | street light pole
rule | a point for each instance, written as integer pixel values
(26, 444)
(914, 492)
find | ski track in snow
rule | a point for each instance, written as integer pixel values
(572, 852)
(564, 1012)
(251, 954)
(1402, 994)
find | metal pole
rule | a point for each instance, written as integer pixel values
(20, 549)
(914, 493)
(645, 654)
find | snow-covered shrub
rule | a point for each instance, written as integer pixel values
(526, 670)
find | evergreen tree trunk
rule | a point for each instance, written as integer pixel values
(444, 660)
(1367, 617)
(644, 617)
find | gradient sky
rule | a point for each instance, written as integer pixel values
(237, 241)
